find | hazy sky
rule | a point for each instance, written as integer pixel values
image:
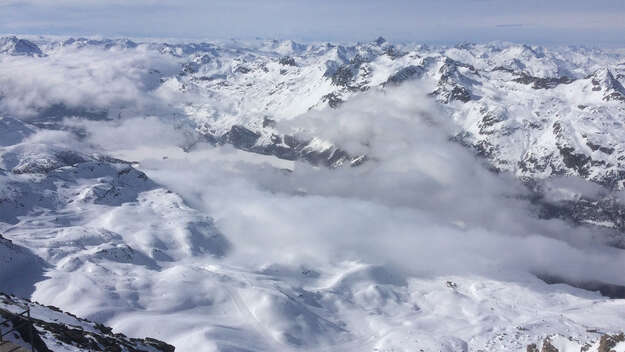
(537, 21)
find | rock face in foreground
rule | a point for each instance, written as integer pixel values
(557, 343)
(55, 330)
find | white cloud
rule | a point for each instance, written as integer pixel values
(93, 79)
(422, 204)
(379, 236)
(421, 201)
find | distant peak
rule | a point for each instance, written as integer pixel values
(603, 80)
(603, 73)
(15, 46)
(465, 45)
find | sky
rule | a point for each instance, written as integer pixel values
(600, 22)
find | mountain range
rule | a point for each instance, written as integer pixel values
(272, 195)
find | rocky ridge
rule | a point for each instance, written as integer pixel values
(55, 330)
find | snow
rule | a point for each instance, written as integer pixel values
(217, 249)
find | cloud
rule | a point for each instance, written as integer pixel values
(92, 81)
(358, 238)
(422, 204)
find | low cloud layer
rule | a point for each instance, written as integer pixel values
(237, 242)
(85, 82)
(421, 204)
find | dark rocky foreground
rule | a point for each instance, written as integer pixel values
(606, 343)
(54, 328)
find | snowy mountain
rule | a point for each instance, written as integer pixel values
(276, 196)
(55, 330)
(18, 47)
(507, 101)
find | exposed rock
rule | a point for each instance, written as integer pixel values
(489, 120)
(573, 160)
(595, 147)
(241, 137)
(393, 52)
(344, 75)
(85, 336)
(267, 122)
(404, 74)
(607, 342)
(450, 94)
(242, 70)
(288, 148)
(603, 80)
(452, 85)
(287, 61)
(548, 347)
(44, 163)
(542, 83)
(333, 100)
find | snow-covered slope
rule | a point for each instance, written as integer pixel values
(274, 196)
(55, 330)
(530, 111)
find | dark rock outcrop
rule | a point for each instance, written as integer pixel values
(542, 83)
(287, 61)
(453, 85)
(404, 74)
(333, 100)
(548, 347)
(607, 342)
(287, 147)
(241, 137)
(86, 336)
(602, 80)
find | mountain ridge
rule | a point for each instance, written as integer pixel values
(272, 195)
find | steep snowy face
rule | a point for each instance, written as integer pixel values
(276, 196)
(531, 111)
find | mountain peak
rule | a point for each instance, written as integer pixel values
(15, 46)
(603, 80)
